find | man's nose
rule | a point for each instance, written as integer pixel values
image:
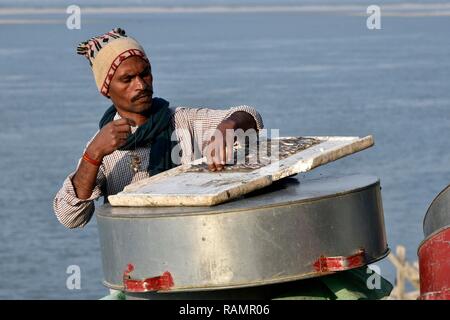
(141, 84)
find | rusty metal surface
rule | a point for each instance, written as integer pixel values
(291, 230)
(438, 214)
(434, 266)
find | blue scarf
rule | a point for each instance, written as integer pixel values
(157, 132)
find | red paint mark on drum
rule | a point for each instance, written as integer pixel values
(340, 263)
(163, 282)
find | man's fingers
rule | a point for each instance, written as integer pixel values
(123, 128)
(123, 136)
(211, 164)
(121, 142)
(229, 153)
(218, 157)
(131, 122)
(120, 122)
(217, 154)
(123, 121)
(223, 155)
(210, 157)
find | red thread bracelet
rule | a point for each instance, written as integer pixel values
(91, 161)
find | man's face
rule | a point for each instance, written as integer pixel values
(131, 88)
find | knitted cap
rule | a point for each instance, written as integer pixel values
(106, 52)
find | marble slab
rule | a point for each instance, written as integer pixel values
(193, 185)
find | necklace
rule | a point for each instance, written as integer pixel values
(135, 160)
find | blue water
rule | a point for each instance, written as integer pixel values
(308, 74)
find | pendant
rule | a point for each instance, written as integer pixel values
(135, 162)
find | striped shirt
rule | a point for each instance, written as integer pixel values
(192, 128)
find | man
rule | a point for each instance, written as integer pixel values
(135, 136)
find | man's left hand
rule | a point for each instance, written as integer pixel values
(220, 148)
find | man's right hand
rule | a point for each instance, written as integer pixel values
(110, 138)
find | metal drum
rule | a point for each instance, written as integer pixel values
(438, 214)
(294, 229)
(434, 251)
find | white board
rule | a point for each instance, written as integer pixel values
(184, 186)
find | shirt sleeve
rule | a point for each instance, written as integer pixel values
(72, 211)
(198, 124)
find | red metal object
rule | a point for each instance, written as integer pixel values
(163, 282)
(440, 295)
(340, 263)
(434, 266)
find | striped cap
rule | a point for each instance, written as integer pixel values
(106, 52)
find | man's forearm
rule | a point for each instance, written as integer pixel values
(243, 120)
(85, 178)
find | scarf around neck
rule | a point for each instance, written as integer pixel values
(157, 132)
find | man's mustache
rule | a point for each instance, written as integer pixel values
(142, 94)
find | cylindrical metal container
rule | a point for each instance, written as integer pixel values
(292, 230)
(434, 251)
(438, 213)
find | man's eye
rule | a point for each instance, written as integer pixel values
(126, 80)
